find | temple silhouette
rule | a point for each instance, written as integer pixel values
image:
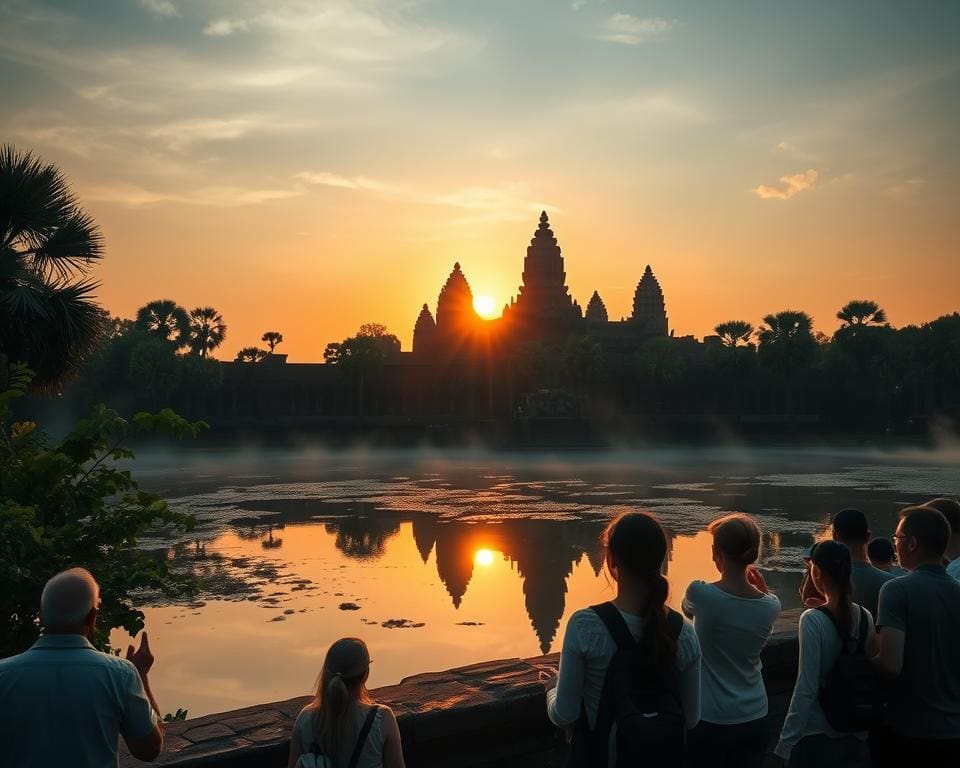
(542, 311)
(465, 372)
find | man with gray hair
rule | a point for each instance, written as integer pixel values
(63, 700)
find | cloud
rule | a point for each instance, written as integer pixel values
(577, 5)
(627, 29)
(509, 201)
(327, 179)
(183, 133)
(906, 188)
(164, 9)
(790, 185)
(224, 27)
(226, 196)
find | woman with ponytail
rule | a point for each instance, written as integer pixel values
(632, 652)
(734, 617)
(807, 739)
(342, 727)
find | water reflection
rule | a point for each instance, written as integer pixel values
(453, 566)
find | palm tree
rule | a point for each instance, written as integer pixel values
(250, 355)
(787, 345)
(272, 338)
(862, 312)
(734, 332)
(207, 330)
(166, 320)
(48, 316)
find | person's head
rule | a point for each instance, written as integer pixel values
(830, 568)
(69, 603)
(736, 542)
(636, 548)
(880, 551)
(922, 536)
(850, 527)
(341, 686)
(950, 509)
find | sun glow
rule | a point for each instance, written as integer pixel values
(483, 557)
(485, 306)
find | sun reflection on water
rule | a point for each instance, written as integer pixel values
(483, 557)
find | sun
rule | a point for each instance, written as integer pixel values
(483, 557)
(485, 306)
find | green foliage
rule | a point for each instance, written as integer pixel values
(250, 355)
(68, 503)
(207, 330)
(48, 316)
(659, 362)
(165, 320)
(180, 714)
(861, 312)
(582, 361)
(787, 343)
(733, 333)
(271, 339)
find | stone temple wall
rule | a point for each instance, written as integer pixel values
(489, 715)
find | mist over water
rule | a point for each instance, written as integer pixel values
(445, 558)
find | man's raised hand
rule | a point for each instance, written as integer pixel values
(142, 658)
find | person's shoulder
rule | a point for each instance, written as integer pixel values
(897, 585)
(688, 644)
(584, 617)
(813, 617)
(698, 588)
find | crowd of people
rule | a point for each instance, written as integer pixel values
(639, 684)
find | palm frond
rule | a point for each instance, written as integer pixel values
(70, 248)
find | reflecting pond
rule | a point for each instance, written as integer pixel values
(440, 560)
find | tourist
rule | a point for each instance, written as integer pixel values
(950, 509)
(850, 529)
(63, 701)
(919, 636)
(807, 738)
(635, 637)
(343, 724)
(733, 618)
(882, 555)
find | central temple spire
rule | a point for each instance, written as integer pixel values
(543, 301)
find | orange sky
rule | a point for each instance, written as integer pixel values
(308, 167)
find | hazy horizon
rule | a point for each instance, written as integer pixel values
(309, 166)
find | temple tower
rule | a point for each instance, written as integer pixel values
(543, 305)
(455, 313)
(424, 333)
(596, 310)
(649, 311)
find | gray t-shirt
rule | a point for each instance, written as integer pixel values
(867, 582)
(925, 698)
(732, 631)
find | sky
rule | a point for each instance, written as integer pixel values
(307, 167)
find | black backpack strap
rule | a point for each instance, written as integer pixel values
(362, 738)
(674, 624)
(615, 624)
(862, 633)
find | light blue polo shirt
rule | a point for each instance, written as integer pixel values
(62, 702)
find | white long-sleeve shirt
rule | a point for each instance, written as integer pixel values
(820, 647)
(587, 651)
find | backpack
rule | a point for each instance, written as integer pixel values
(850, 697)
(641, 701)
(314, 758)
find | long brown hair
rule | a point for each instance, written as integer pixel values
(637, 546)
(341, 687)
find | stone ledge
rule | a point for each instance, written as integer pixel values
(488, 714)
